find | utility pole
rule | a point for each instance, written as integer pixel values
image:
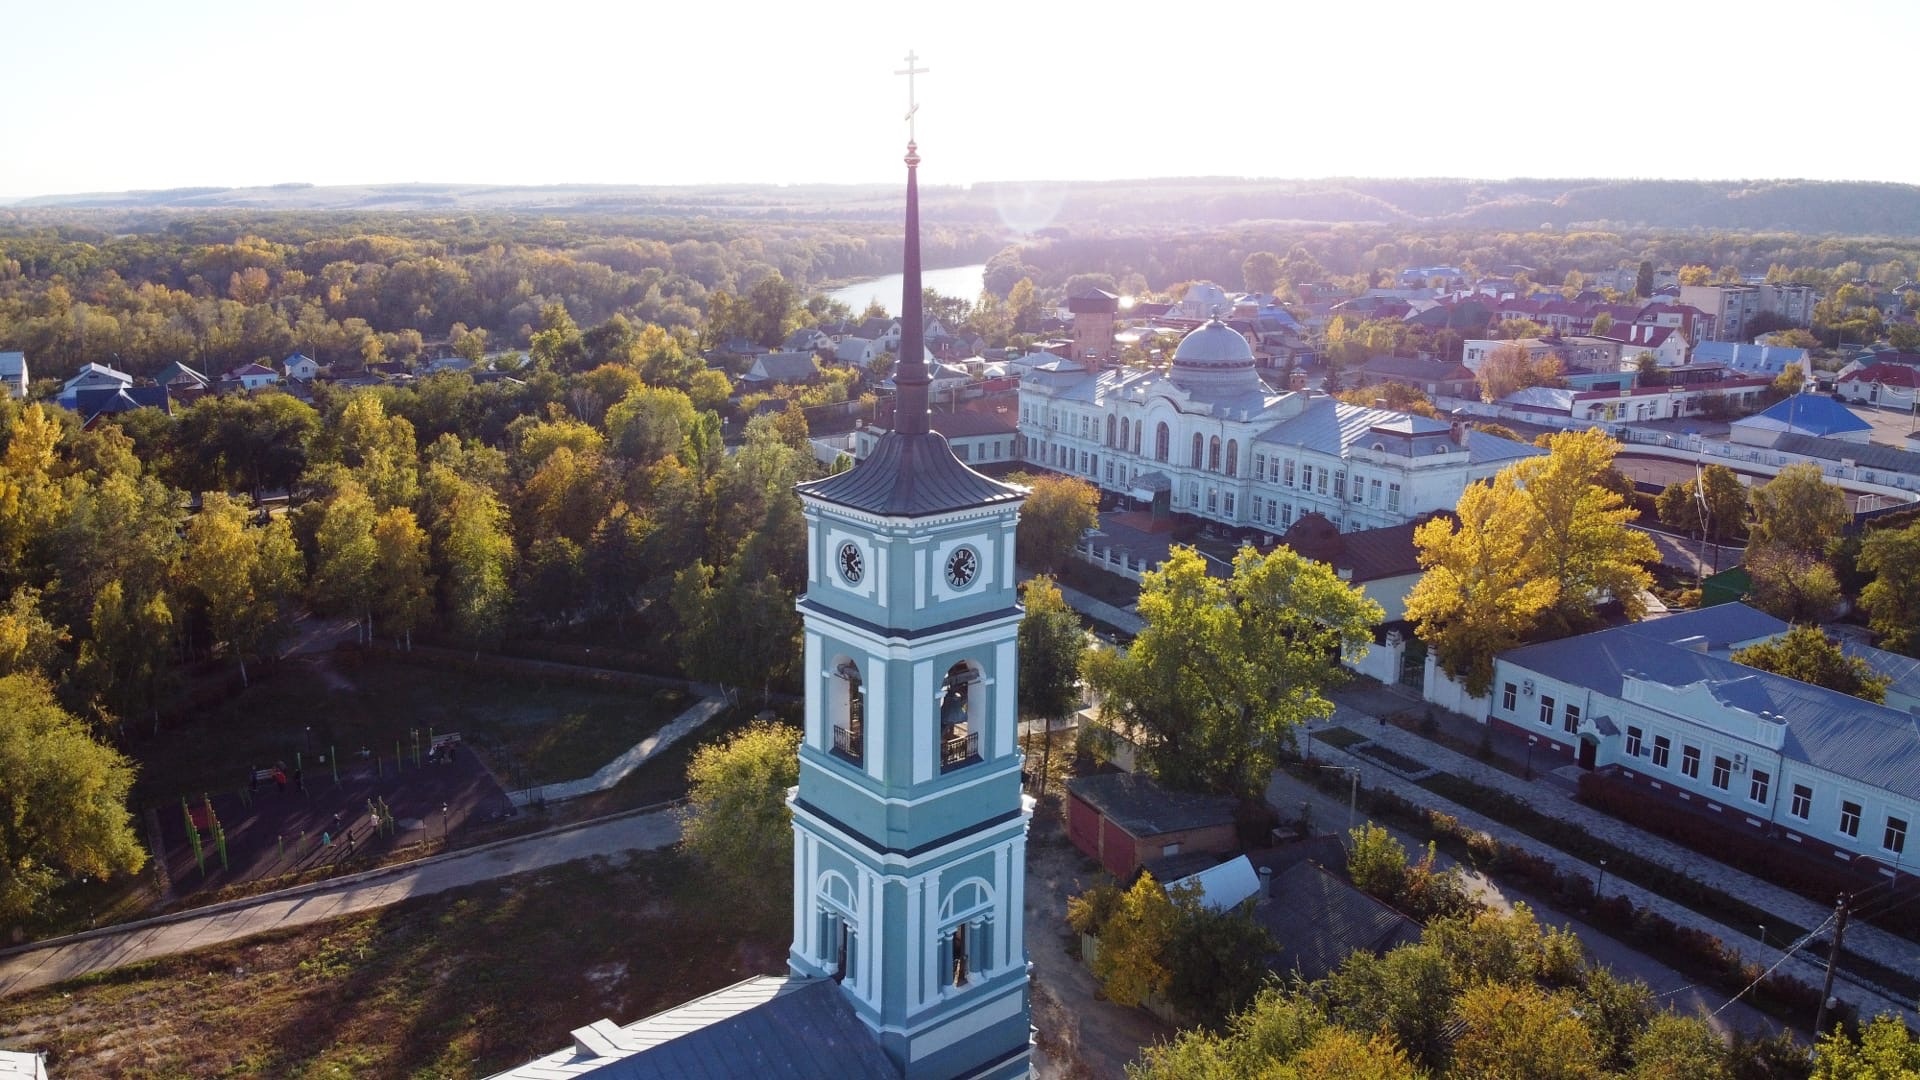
(1833, 961)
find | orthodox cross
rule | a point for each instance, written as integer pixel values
(912, 106)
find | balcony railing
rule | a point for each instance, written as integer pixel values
(959, 747)
(847, 742)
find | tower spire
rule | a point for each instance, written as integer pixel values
(910, 377)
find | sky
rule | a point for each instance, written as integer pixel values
(113, 95)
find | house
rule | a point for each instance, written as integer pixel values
(99, 401)
(1768, 360)
(947, 381)
(178, 376)
(1207, 438)
(449, 363)
(857, 351)
(301, 368)
(13, 371)
(1203, 300)
(1434, 378)
(980, 434)
(1318, 920)
(92, 377)
(1880, 384)
(1383, 563)
(1733, 307)
(884, 331)
(807, 339)
(1666, 344)
(1659, 706)
(1589, 353)
(1125, 820)
(782, 367)
(1801, 414)
(248, 377)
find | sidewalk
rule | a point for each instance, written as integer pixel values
(1549, 798)
(1118, 618)
(609, 775)
(94, 951)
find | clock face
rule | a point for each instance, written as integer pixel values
(962, 566)
(852, 566)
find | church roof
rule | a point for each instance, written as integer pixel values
(772, 1027)
(910, 476)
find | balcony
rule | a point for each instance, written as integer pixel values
(958, 747)
(847, 742)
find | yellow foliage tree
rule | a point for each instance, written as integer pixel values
(1129, 963)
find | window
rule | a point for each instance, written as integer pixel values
(1083, 461)
(1373, 493)
(1690, 762)
(1393, 496)
(1271, 516)
(1320, 483)
(1259, 466)
(1287, 473)
(1213, 454)
(1850, 818)
(1546, 710)
(849, 733)
(1199, 449)
(1662, 750)
(1213, 499)
(1233, 457)
(1123, 435)
(1161, 440)
(1228, 504)
(1112, 427)
(1109, 470)
(1722, 772)
(1571, 721)
(1286, 514)
(1895, 838)
(1340, 485)
(1359, 490)
(1759, 786)
(1802, 807)
(959, 736)
(1507, 696)
(1136, 437)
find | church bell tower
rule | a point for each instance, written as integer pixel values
(909, 821)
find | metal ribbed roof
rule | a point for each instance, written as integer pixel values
(911, 476)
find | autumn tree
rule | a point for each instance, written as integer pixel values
(248, 578)
(1130, 962)
(1892, 598)
(1580, 533)
(1052, 648)
(1401, 397)
(1059, 510)
(343, 579)
(736, 820)
(1512, 367)
(402, 588)
(30, 643)
(1792, 585)
(479, 561)
(1807, 654)
(63, 797)
(1225, 669)
(1884, 1050)
(1517, 1031)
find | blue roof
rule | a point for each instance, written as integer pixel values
(1808, 414)
(1772, 359)
(1825, 728)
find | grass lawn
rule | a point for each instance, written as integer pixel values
(532, 731)
(461, 984)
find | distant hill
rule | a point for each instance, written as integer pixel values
(1845, 207)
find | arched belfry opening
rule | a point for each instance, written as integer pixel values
(961, 715)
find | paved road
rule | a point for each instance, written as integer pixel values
(59, 961)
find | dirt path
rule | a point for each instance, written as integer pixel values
(1080, 1035)
(102, 951)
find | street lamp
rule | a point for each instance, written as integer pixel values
(446, 808)
(1531, 739)
(1601, 883)
(1353, 792)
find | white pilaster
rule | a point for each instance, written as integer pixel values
(924, 734)
(818, 733)
(875, 730)
(1007, 706)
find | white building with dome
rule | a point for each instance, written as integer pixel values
(1208, 438)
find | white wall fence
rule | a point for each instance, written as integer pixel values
(1443, 691)
(1889, 486)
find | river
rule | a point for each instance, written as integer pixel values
(960, 282)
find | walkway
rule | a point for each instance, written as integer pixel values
(102, 950)
(1120, 619)
(1551, 799)
(610, 774)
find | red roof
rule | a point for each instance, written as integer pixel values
(1887, 375)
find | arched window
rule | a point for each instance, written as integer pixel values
(1199, 448)
(965, 931)
(1162, 438)
(838, 911)
(1123, 436)
(1110, 429)
(960, 704)
(1213, 454)
(849, 708)
(1233, 457)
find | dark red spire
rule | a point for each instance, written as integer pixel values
(910, 376)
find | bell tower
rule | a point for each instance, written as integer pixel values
(909, 821)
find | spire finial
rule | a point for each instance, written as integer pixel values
(913, 105)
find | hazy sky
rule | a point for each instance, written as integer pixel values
(107, 95)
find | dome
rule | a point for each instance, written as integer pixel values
(1214, 345)
(1216, 359)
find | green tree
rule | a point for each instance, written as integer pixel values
(1217, 960)
(30, 644)
(1059, 510)
(1792, 586)
(1797, 511)
(1130, 962)
(1676, 1047)
(1261, 272)
(736, 820)
(479, 565)
(1376, 862)
(1226, 669)
(649, 424)
(402, 588)
(345, 556)
(1580, 530)
(63, 798)
(1892, 598)
(127, 658)
(1885, 1050)
(1643, 279)
(1806, 654)
(1725, 502)
(1052, 647)
(1520, 1032)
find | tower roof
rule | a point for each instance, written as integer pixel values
(1215, 359)
(910, 475)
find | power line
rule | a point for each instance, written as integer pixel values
(1791, 949)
